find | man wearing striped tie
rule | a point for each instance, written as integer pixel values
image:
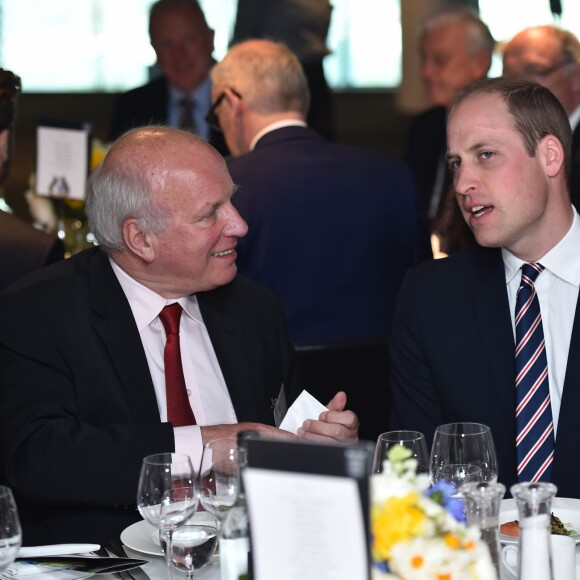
(490, 335)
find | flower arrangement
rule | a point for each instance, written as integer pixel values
(419, 531)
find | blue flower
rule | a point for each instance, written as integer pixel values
(445, 495)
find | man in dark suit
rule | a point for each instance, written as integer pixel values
(22, 248)
(183, 43)
(454, 342)
(332, 228)
(456, 49)
(550, 56)
(82, 366)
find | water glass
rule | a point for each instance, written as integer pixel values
(194, 543)
(218, 475)
(167, 495)
(10, 532)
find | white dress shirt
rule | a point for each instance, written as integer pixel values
(206, 388)
(557, 289)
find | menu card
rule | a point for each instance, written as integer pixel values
(62, 159)
(308, 507)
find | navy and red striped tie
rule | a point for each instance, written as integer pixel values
(179, 411)
(535, 428)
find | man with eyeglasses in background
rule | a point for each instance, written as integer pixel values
(550, 56)
(332, 228)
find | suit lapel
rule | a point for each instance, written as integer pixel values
(491, 306)
(567, 448)
(115, 325)
(226, 337)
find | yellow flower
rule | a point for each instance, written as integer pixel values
(398, 519)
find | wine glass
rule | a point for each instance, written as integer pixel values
(195, 542)
(456, 446)
(412, 440)
(218, 475)
(10, 533)
(167, 496)
(458, 474)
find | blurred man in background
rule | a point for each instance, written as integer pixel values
(456, 49)
(181, 97)
(22, 248)
(550, 56)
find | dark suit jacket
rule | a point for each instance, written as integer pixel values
(427, 142)
(453, 360)
(77, 405)
(23, 249)
(148, 105)
(332, 229)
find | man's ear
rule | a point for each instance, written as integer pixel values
(234, 101)
(552, 154)
(4, 146)
(139, 243)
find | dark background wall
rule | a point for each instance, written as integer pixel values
(366, 118)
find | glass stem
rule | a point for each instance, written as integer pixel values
(169, 552)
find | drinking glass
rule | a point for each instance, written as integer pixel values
(218, 476)
(412, 440)
(195, 542)
(10, 533)
(167, 496)
(459, 445)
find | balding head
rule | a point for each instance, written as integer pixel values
(160, 204)
(268, 76)
(133, 175)
(549, 56)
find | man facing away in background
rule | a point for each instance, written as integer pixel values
(332, 229)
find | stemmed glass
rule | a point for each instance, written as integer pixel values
(463, 453)
(195, 542)
(10, 533)
(167, 496)
(412, 440)
(218, 475)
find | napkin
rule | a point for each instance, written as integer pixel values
(68, 567)
(304, 407)
(56, 550)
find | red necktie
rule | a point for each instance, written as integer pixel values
(179, 411)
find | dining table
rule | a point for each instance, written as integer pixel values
(156, 569)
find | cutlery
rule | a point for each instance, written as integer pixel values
(115, 548)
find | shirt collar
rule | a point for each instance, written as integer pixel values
(561, 260)
(574, 118)
(147, 304)
(273, 126)
(201, 95)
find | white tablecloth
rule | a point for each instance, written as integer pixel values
(157, 570)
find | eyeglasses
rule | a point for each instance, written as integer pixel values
(211, 118)
(536, 73)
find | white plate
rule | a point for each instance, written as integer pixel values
(567, 509)
(139, 537)
(143, 537)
